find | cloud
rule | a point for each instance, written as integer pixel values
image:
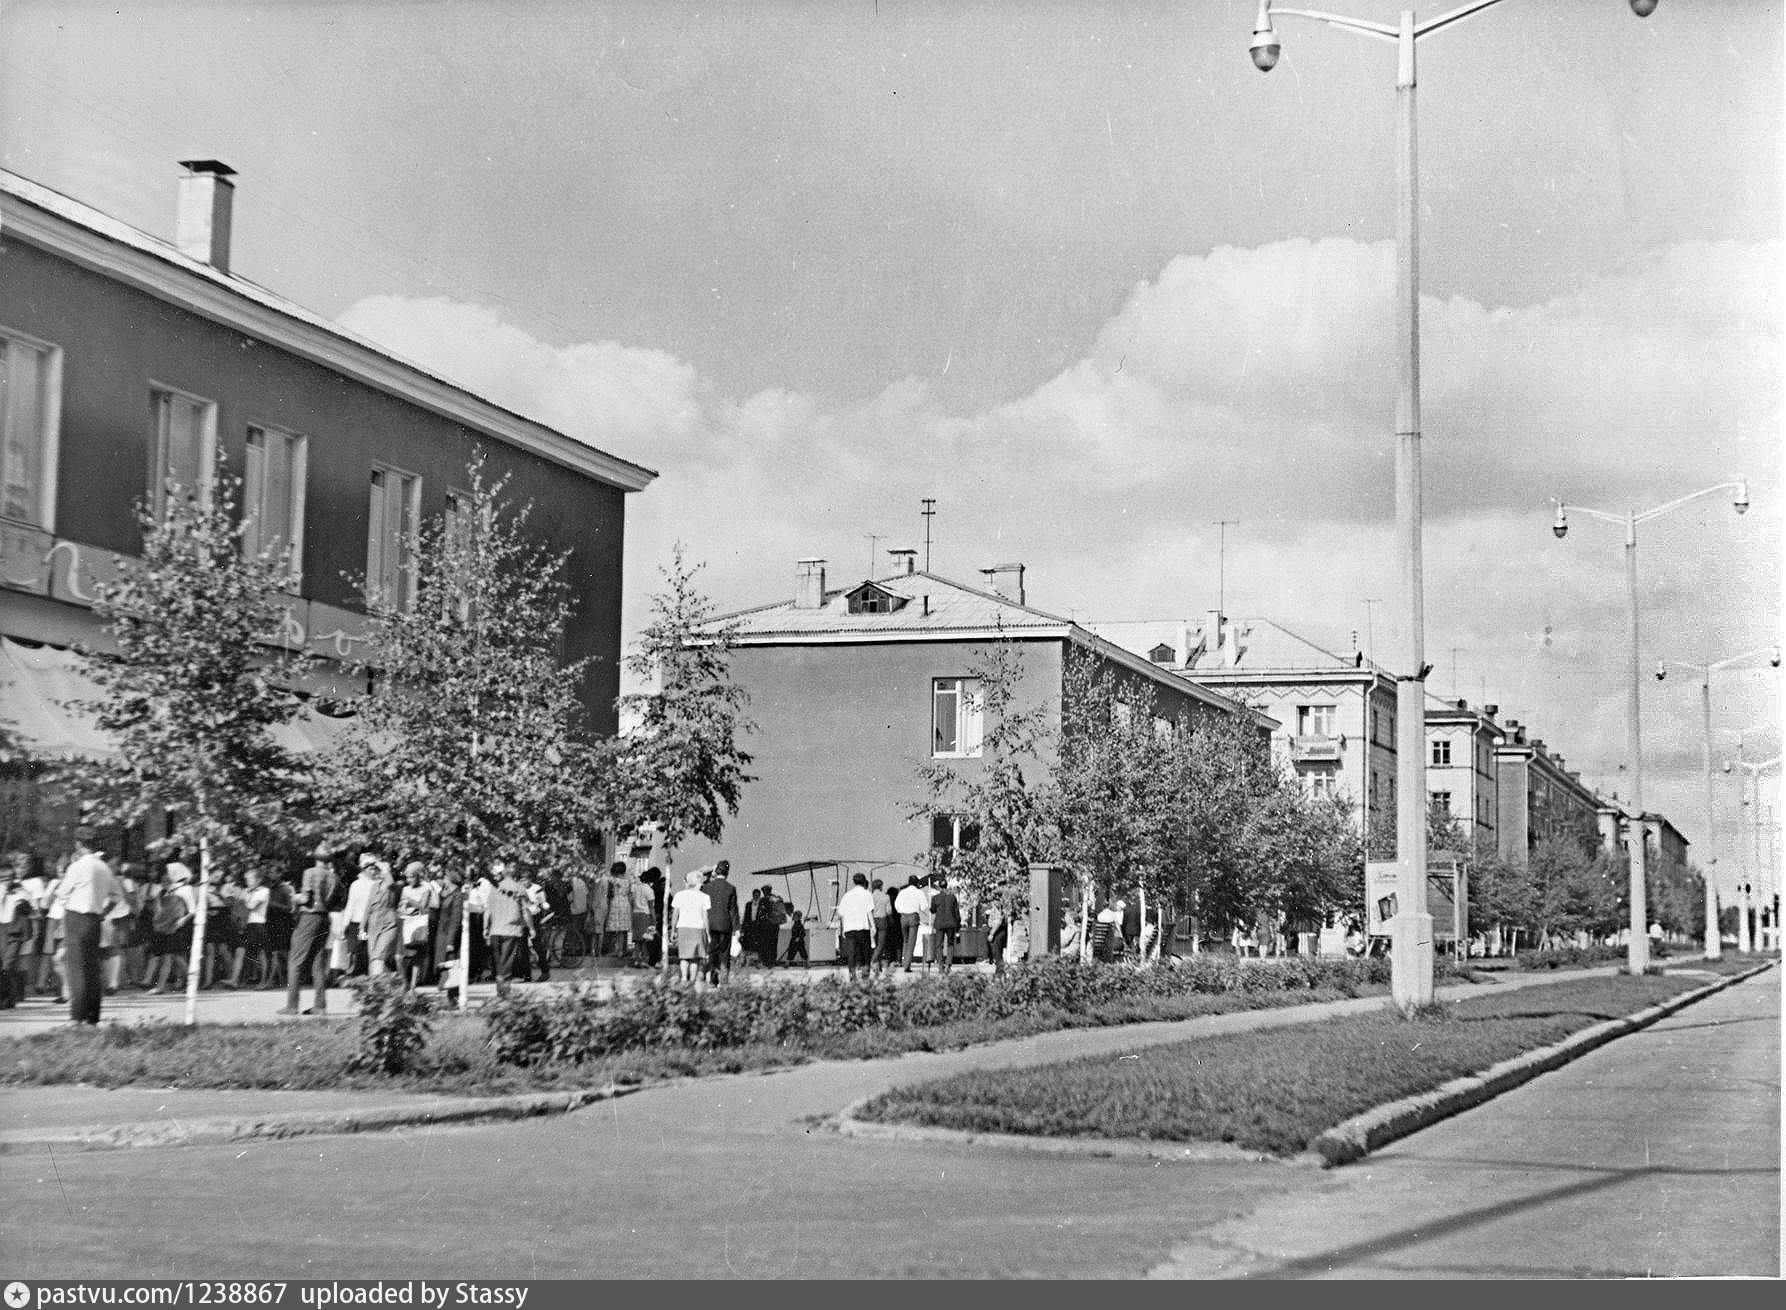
(1259, 385)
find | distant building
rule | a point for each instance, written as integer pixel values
(1461, 773)
(126, 358)
(1540, 798)
(1336, 712)
(852, 689)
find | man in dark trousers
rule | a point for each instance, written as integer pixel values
(945, 922)
(87, 892)
(722, 920)
(318, 892)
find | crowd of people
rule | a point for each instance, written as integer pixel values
(97, 927)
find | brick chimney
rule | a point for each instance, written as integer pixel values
(202, 222)
(809, 585)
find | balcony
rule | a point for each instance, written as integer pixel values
(1316, 748)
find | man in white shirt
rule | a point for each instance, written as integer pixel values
(86, 892)
(359, 900)
(909, 905)
(855, 917)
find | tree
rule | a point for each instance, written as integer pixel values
(1113, 802)
(195, 690)
(1004, 814)
(470, 745)
(682, 768)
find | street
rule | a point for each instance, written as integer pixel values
(734, 1177)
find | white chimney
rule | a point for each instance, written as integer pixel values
(997, 587)
(905, 560)
(202, 223)
(1212, 636)
(809, 588)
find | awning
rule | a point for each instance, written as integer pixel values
(37, 684)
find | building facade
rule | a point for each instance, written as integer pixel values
(1539, 798)
(127, 359)
(852, 690)
(1336, 713)
(1461, 774)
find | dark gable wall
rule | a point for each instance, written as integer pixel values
(117, 341)
(841, 731)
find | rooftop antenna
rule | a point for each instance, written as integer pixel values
(1454, 682)
(1370, 637)
(873, 537)
(929, 512)
(1221, 573)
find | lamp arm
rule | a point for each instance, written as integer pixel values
(1456, 15)
(1733, 485)
(1591, 513)
(1381, 31)
(1746, 655)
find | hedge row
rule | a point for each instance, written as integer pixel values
(577, 1025)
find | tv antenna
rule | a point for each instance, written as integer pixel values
(929, 512)
(1221, 573)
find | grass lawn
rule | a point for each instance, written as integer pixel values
(316, 1057)
(1272, 1090)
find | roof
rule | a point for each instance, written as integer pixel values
(939, 609)
(86, 236)
(1265, 647)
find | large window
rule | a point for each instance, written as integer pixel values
(1322, 782)
(273, 498)
(395, 507)
(955, 717)
(1442, 753)
(30, 398)
(185, 446)
(1314, 721)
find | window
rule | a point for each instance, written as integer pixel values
(1442, 753)
(1321, 782)
(1314, 721)
(459, 531)
(185, 446)
(1162, 654)
(273, 498)
(1442, 802)
(955, 717)
(390, 538)
(30, 405)
(953, 832)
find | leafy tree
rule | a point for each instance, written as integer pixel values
(1576, 893)
(682, 768)
(1307, 852)
(470, 745)
(195, 689)
(1001, 799)
(1114, 804)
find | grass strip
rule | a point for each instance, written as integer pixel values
(1272, 1090)
(457, 1061)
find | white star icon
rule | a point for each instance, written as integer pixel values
(18, 1296)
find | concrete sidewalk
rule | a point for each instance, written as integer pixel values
(64, 1113)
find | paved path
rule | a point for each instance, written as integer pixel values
(1657, 1155)
(722, 1177)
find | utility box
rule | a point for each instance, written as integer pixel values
(1045, 910)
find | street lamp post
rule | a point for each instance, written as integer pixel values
(1752, 866)
(1714, 946)
(1411, 929)
(1637, 956)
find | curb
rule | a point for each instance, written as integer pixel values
(300, 1123)
(1341, 1144)
(1364, 1133)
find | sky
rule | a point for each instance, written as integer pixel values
(1074, 270)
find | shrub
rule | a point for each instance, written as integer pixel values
(394, 1025)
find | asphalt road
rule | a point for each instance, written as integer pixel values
(722, 1178)
(1657, 1155)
